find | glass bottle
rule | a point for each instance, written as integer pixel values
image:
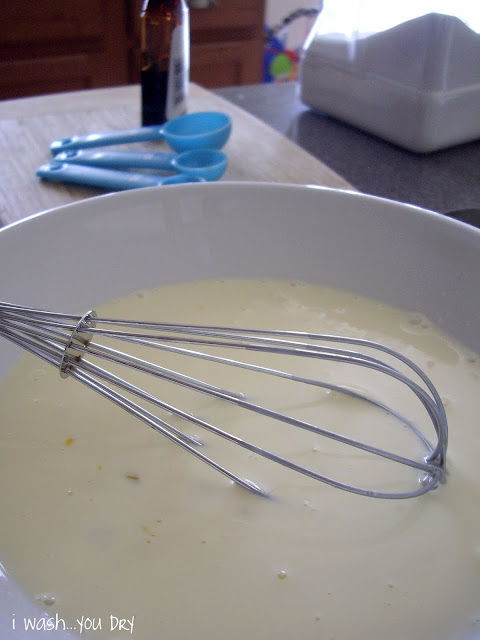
(165, 51)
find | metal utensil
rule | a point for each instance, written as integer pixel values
(70, 341)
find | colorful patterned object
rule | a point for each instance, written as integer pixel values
(280, 62)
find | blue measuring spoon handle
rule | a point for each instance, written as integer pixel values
(209, 164)
(198, 130)
(119, 159)
(141, 134)
(105, 178)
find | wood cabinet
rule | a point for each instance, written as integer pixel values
(227, 43)
(63, 45)
(54, 45)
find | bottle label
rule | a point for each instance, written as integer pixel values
(178, 72)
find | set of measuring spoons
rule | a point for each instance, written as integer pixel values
(197, 138)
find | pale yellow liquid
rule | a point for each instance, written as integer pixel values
(102, 516)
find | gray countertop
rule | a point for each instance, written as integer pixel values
(442, 181)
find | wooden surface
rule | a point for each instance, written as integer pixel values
(27, 126)
(226, 43)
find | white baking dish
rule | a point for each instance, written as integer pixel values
(82, 254)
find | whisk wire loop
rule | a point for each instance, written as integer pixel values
(67, 341)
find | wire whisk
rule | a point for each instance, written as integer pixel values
(68, 342)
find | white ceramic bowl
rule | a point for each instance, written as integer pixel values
(77, 256)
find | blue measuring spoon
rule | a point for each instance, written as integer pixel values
(199, 130)
(107, 178)
(209, 164)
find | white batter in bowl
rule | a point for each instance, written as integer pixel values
(252, 231)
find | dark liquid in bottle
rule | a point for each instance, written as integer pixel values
(164, 48)
(154, 90)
